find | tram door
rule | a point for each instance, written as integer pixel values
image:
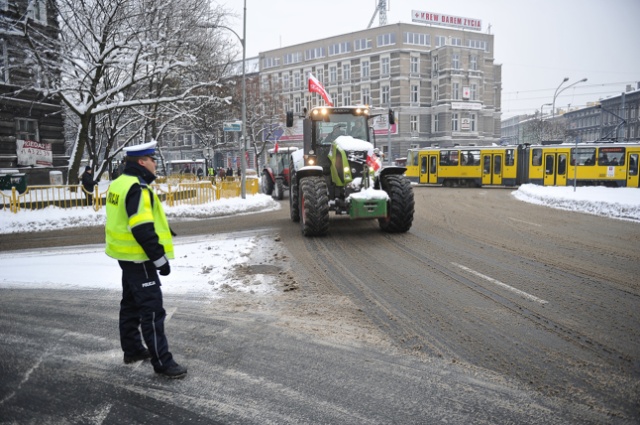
(433, 169)
(555, 169)
(632, 169)
(492, 168)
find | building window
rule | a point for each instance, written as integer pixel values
(415, 65)
(384, 95)
(473, 62)
(456, 41)
(339, 48)
(366, 96)
(271, 62)
(27, 130)
(474, 91)
(435, 65)
(413, 123)
(415, 94)
(315, 53)
(333, 74)
(320, 74)
(441, 40)
(37, 10)
(436, 123)
(290, 58)
(346, 72)
(346, 97)
(386, 39)
(297, 82)
(417, 39)
(361, 44)
(297, 105)
(454, 122)
(285, 81)
(455, 61)
(365, 67)
(455, 92)
(473, 122)
(436, 94)
(384, 66)
(334, 97)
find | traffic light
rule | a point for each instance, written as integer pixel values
(392, 117)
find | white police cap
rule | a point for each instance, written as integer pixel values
(145, 149)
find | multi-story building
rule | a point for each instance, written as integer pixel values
(441, 82)
(31, 126)
(616, 118)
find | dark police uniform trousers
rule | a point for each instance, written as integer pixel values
(141, 306)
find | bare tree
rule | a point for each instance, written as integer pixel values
(124, 68)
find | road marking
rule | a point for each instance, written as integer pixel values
(525, 222)
(502, 285)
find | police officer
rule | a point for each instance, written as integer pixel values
(139, 237)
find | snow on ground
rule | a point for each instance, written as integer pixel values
(205, 265)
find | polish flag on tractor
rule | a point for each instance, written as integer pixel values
(315, 86)
(374, 162)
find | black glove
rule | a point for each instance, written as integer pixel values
(165, 269)
(162, 264)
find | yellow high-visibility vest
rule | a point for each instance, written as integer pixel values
(120, 243)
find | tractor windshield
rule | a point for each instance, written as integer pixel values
(341, 125)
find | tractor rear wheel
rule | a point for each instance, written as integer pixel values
(314, 206)
(278, 192)
(267, 183)
(401, 204)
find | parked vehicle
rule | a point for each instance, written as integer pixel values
(275, 175)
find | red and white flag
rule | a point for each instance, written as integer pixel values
(315, 86)
(374, 162)
(276, 148)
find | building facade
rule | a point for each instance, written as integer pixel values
(442, 83)
(31, 126)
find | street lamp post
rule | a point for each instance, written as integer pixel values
(557, 93)
(243, 42)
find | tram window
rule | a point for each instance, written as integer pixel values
(487, 164)
(548, 164)
(611, 156)
(633, 164)
(433, 166)
(448, 157)
(509, 159)
(423, 165)
(536, 158)
(584, 156)
(470, 157)
(497, 165)
(562, 164)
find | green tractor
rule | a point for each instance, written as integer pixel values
(338, 170)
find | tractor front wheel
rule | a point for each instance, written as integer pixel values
(314, 206)
(401, 204)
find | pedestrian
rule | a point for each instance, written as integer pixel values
(88, 183)
(139, 237)
(229, 172)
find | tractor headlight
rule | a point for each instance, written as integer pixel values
(310, 160)
(346, 170)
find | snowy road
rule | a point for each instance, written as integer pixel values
(381, 328)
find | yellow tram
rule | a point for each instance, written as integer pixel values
(609, 164)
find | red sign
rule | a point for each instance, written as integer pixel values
(446, 20)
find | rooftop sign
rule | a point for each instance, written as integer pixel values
(446, 20)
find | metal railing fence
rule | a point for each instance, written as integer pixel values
(172, 191)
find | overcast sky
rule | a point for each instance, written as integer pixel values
(538, 43)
